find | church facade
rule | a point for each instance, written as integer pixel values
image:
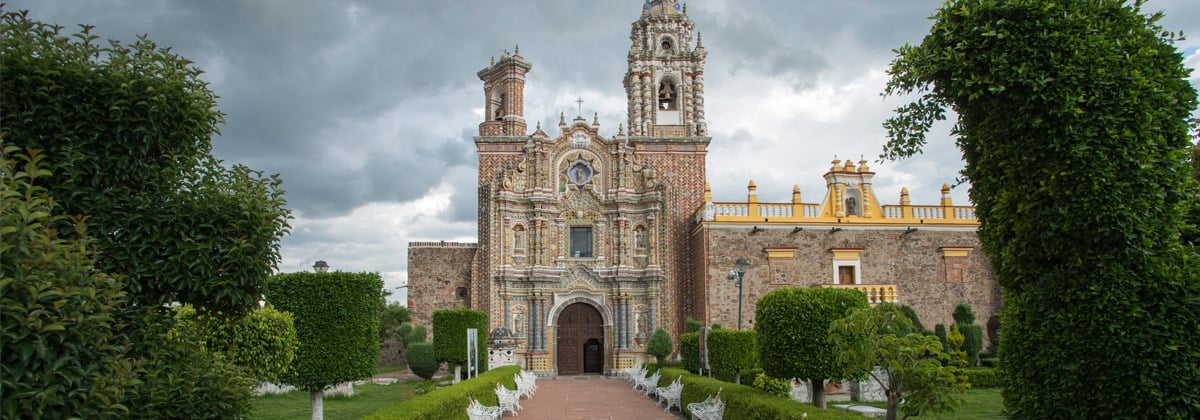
(588, 243)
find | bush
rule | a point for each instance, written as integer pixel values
(689, 351)
(972, 342)
(450, 337)
(417, 335)
(773, 386)
(691, 325)
(985, 378)
(263, 341)
(659, 345)
(63, 350)
(963, 314)
(421, 360)
(451, 402)
(732, 351)
(940, 331)
(181, 378)
(911, 314)
(391, 317)
(337, 321)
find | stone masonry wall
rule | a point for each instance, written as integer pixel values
(912, 261)
(436, 272)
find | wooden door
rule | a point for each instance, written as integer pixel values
(579, 326)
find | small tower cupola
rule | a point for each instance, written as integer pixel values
(504, 94)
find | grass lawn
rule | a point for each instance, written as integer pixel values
(983, 403)
(366, 400)
(389, 369)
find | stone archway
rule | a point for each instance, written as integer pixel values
(580, 340)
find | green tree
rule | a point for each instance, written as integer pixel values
(391, 318)
(450, 338)
(1073, 122)
(659, 345)
(62, 352)
(910, 364)
(792, 324)
(263, 341)
(337, 321)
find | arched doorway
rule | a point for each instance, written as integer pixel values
(580, 340)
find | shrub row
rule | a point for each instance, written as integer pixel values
(985, 378)
(743, 401)
(451, 402)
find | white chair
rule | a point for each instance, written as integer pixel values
(670, 394)
(710, 409)
(510, 399)
(477, 411)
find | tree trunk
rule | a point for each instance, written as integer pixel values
(318, 406)
(457, 372)
(818, 392)
(893, 406)
(737, 378)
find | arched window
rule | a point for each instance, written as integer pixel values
(668, 47)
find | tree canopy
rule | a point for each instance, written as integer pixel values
(1073, 120)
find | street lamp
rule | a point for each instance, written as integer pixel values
(736, 274)
(321, 266)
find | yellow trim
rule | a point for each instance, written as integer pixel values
(846, 254)
(780, 253)
(956, 251)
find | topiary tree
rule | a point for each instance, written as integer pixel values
(421, 359)
(337, 321)
(418, 335)
(939, 330)
(62, 352)
(792, 327)
(910, 364)
(1073, 119)
(963, 314)
(450, 338)
(733, 351)
(689, 351)
(659, 345)
(263, 341)
(964, 318)
(691, 325)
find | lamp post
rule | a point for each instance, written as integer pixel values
(736, 274)
(321, 266)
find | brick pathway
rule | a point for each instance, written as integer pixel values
(590, 397)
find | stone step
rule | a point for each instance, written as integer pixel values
(865, 410)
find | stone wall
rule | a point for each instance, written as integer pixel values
(929, 277)
(439, 277)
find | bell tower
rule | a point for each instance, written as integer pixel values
(504, 91)
(665, 80)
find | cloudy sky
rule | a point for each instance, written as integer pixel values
(368, 108)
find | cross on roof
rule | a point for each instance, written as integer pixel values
(579, 101)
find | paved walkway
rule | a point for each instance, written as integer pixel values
(590, 397)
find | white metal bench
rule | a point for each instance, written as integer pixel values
(526, 383)
(634, 375)
(670, 394)
(477, 411)
(647, 385)
(710, 409)
(510, 399)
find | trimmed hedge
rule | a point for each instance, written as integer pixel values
(746, 402)
(985, 378)
(450, 336)
(337, 320)
(732, 351)
(421, 360)
(451, 402)
(263, 341)
(689, 351)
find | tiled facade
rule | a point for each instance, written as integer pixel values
(620, 221)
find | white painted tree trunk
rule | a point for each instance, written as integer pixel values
(318, 405)
(457, 370)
